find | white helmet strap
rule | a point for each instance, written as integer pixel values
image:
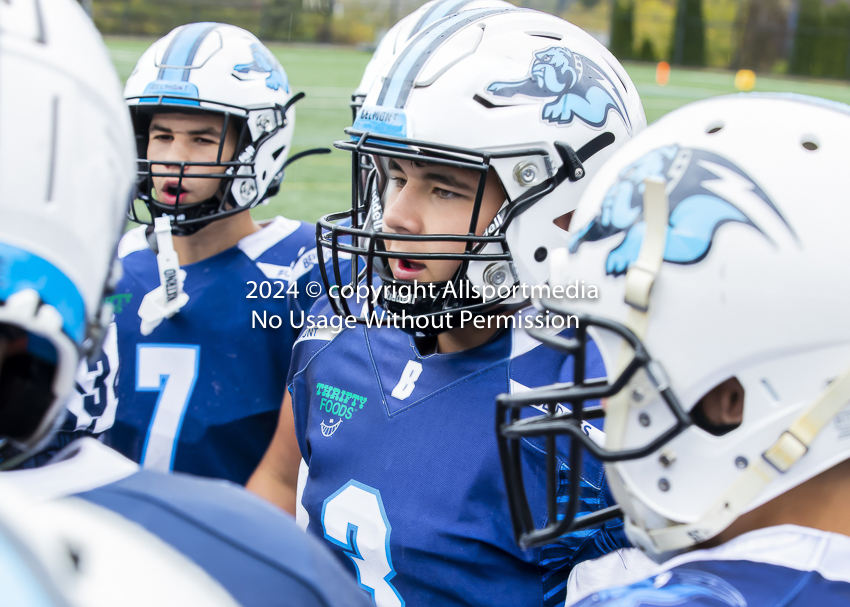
(639, 280)
(642, 273)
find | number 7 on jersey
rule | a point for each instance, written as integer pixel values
(172, 371)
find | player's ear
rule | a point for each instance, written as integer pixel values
(564, 221)
(722, 409)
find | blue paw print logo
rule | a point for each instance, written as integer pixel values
(582, 90)
(705, 192)
(668, 589)
(264, 63)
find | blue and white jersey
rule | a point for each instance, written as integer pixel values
(403, 478)
(785, 565)
(254, 550)
(201, 393)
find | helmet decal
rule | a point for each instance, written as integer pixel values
(705, 191)
(264, 63)
(673, 588)
(582, 89)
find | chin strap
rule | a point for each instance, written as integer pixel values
(639, 280)
(167, 299)
(641, 274)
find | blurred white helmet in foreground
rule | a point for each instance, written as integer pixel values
(66, 175)
(71, 553)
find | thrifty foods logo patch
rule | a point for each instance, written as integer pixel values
(118, 301)
(338, 404)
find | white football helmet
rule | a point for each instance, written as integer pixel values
(404, 30)
(717, 241)
(66, 175)
(525, 93)
(222, 69)
(72, 553)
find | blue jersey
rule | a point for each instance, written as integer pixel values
(786, 565)
(403, 473)
(254, 550)
(201, 393)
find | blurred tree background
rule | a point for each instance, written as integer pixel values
(801, 37)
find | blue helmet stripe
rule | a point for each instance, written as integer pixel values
(181, 52)
(20, 269)
(412, 59)
(437, 12)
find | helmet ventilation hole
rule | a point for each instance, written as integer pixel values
(810, 145)
(550, 35)
(714, 128)
(540, 254)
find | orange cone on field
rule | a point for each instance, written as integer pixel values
(662, 73)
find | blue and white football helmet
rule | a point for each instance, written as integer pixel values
(524, 93)
(717, 240)
(66, 175)
(221, 69)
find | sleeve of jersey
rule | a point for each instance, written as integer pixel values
(293, 260)
(252, 549)
(311, 285)
(308, 283)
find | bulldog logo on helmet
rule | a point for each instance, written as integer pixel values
(264, 63)
(582, 89)
(704, 190)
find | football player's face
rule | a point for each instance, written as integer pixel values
(174, 138)
(433, 199)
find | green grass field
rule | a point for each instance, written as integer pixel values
(320, 184)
